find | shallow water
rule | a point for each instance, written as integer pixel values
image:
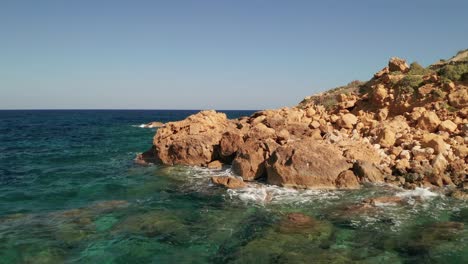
(70, 193)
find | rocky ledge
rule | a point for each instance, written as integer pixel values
(406, 126)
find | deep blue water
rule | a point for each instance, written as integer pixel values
(70, 193)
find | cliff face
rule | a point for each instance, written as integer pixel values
(406, 126)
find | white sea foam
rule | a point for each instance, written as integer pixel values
(141, 126)
(257, 193)
(422, 193)
(262, 194)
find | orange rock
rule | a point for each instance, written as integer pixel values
(215, 165)
(435, 142)
(448, 126)
(229, 182)
(306, 164)
(190, 141)
(347, 120)
(459, 98)
(386, 137)
(381, 72)
(429, 121)
(367, 172)
(347, 180)
(397, 64)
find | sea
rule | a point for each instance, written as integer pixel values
(70, 192)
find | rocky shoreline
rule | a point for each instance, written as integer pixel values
(407, 126)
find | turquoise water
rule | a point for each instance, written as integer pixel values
(70, 193)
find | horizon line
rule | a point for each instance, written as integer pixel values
(120, 109)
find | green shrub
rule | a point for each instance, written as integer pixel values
(417, 69)
(437, 93)
(413, 81)
(454, 72)
(409, 83)
(464, 77)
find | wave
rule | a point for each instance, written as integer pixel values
(141, 126)
(422, 193)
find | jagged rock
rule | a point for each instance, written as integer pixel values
(379, 94)
(397, 64)
(306, 164)
(402, 165)
(347, 180)
(460, 195)
(447, 126)
(229, 144)
(228, 181)
(386, 137)
(190, 141)
(382, 114)
(439, 164)
(435, 142)
(429, 121)
(461, 151)
(347, 120)
(145, 158)
(353, 151)
(381, 72)
(459, 98)
(367, 172)
(439, 179)
(250, 160)
(260, 131)
(215, 165)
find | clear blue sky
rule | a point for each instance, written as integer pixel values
(198, 54)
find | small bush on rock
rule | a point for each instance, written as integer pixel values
(454, 72)
(409, 83)
(417, 69)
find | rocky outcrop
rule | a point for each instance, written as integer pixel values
(405, 126)
(397, 64)
(191, 141)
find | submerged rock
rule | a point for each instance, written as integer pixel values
(228, 181)
(295, 237)
(153, 224)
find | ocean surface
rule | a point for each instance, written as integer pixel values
(70, 193)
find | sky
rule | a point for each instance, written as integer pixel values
(206, 54)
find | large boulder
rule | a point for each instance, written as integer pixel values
(429, 121)
(307, 164)
(230, 143)
(347, 121)
(435, 142)
(190, 141)
(386, 137)
(459, 98)
(250, 159)
(368, 172)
